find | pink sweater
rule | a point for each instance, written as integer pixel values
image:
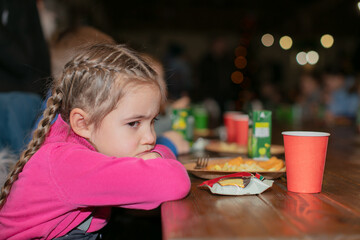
(67, 180)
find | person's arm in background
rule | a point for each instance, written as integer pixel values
(175, 141)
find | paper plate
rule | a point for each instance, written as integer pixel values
(210, 174)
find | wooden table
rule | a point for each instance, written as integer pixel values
(278, 214)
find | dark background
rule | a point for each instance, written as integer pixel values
(151, 25)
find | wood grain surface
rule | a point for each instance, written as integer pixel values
(277, 214)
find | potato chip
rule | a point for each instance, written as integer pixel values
(249, 165)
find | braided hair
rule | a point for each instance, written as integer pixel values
(94, 80)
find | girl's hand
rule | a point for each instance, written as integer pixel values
(182, 102)
(178, 140)
(150, 155)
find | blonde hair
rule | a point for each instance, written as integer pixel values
(95, 80)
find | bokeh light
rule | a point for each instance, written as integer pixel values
(240, 62)
(237, 77)
(312, 57)
(327, 41)
(240, 51)
(358, 5)
(286, 42)
(301, 58)
(267, 40)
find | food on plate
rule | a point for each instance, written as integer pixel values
(232, 147)
(250, 165)
(232, 181)
(239, 183)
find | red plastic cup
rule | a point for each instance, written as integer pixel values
(241, 129)
(230, 125)
(305, 154)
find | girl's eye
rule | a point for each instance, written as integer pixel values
(134, 124)
(154, 120)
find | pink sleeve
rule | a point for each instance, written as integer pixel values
(87, 178)
(164, 151)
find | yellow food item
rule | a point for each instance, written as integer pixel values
(230, 147)
(239, 164)
(237, 182)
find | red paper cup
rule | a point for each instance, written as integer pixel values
(241, 129)
(230, 125)
(305, 154)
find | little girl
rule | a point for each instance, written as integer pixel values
(99, 153)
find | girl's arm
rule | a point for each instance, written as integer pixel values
(164, 151)
(161, 151)
(88, 178)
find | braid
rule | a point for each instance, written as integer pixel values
(137, 59)
(110, 62)
(50, 112)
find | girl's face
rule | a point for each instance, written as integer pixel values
(128, 130)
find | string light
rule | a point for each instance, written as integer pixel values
(301, 58)
(267, 40)
(240, 51)
(312, 57)
(285, 42)
(327, 40)
(240, 62)
(237, 77)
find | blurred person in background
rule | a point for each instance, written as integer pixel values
(248, 101)
(309, 98)
(24, 59)
(66, 30)
(214, 75)
(269, 95)
(24, 71)
(341, 103)
(178, 74)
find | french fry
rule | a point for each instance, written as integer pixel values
(249, 165)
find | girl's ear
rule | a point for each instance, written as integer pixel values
(78, 122)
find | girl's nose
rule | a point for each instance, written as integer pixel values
(149, 137)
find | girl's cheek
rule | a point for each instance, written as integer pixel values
(130, 147)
